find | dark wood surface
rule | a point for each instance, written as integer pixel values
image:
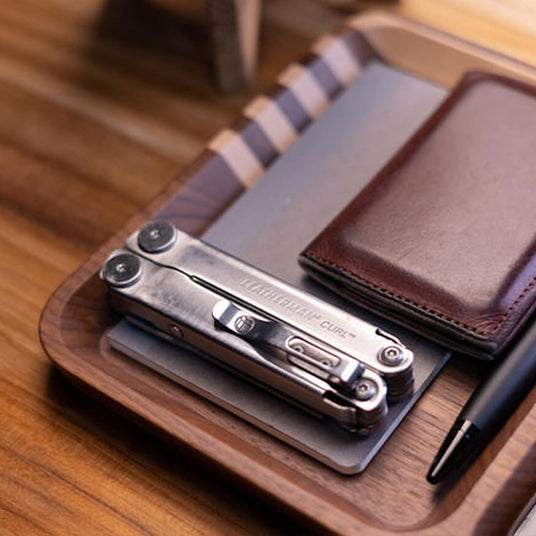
(99, 110)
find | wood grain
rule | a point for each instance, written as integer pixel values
(77, 315)
(98, 111)
(94, 121)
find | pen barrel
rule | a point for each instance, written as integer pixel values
(497, 397)
(488, 408)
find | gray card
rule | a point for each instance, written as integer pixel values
(269, 226)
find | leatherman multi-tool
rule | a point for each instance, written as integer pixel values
(297, 346)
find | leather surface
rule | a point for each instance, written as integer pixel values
(443, 239)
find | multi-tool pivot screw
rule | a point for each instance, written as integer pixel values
(156, 237)
(391, 356)
(244, 324)
(122, 270)
(365, 389)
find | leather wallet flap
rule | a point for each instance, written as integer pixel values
(443, 239)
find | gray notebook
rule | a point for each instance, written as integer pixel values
(269, 226)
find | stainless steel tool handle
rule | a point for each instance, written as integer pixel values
(178, 287)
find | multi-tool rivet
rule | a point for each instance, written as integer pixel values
(176, 331)
(391, 356)
(157, 236)
(244, 324)
(122, 270)
(365, 389)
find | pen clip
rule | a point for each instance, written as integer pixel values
(339, 370)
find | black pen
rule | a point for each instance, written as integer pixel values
(488, 408)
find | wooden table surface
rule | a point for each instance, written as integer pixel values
(101, 104)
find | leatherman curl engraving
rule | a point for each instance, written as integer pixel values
(301, 348)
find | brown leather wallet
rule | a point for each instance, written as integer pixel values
(443, 239)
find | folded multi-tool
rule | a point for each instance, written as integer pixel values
(299, 347)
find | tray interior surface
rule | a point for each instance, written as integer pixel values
(392, 493)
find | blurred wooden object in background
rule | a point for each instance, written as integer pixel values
(235, 34)
(233, 28)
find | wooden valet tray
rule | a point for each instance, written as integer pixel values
(392, 494)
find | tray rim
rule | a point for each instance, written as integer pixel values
(373, 26)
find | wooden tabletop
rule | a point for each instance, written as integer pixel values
(101, 104)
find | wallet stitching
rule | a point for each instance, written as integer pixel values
(430, 124)
(500, 322)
